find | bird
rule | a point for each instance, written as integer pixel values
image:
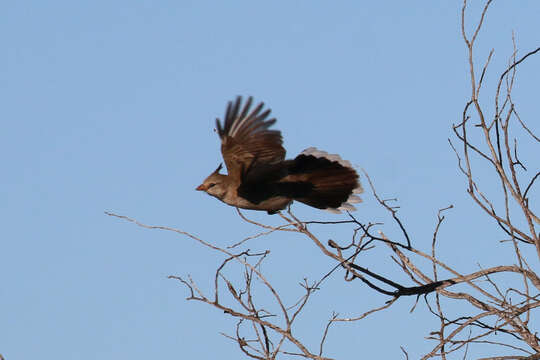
(258, 176)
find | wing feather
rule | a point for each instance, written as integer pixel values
(245, 138)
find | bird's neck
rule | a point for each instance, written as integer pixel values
(227, 186)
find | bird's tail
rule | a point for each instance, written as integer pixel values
(324, 181)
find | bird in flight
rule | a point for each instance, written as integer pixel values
(258, 176)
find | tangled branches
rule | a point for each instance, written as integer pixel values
(495, 310)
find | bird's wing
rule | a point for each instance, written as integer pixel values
(245, 138)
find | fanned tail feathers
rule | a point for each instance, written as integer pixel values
(332, 181)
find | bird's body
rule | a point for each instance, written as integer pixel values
(259, 177)
(227, 189)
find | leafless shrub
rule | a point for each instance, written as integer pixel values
(499, 312)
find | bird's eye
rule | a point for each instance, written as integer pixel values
(210, 185)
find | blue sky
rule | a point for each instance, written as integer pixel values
(110, 106)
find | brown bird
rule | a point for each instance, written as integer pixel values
(259, 177)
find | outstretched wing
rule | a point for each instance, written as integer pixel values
(245, 138)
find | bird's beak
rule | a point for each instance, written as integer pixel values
(201, 188)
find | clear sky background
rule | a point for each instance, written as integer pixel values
(111, 106)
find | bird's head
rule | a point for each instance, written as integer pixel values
(215, 184)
